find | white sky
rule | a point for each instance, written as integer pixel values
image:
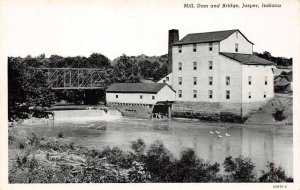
(134, 27)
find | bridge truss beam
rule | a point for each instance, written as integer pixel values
(75, 78)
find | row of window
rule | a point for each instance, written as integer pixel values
(210, 94)
(210, 65)
(227, 80)
(210, 47)
(141, 97)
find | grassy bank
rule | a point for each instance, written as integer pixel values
(34, 159)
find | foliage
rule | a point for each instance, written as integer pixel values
(274, 174)
(280, 61)
(112, 165)
(240, 169)
(278, 114)
(125, 70)
(24, 89)
(159, 162)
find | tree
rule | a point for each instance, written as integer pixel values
(98, 60)
(240, 169)
(274, 174)
(26, 87)
(125, 70)
(159, 162)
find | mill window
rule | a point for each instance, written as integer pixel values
(167, 78)
(210, 80)
(180, 80)
(265, 94)
(210, 65)
(195, 65)
(179, 66)
(141, 96)
(180, 93)
(266, 80)
(227, 94)
(210, 94)
(249, 95)
(210, 46)
(249, 80)
(153, 97)
(117, 96)
(195, 93)
(194, 47)
(236, 47)
(179, 49)
(195, 80)
(227, 80)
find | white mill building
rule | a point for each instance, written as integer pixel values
(218, 68)
(209, 74)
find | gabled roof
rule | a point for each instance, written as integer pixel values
(207, 37)
(283, 82)
(136, 87)
(247, 59)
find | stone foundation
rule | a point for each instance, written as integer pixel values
(215, 111)
(140, 111)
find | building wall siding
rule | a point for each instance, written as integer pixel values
(228, 45)
(166, 93)
(257, 87)
(222, 67)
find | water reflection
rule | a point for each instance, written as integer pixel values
(261, 143)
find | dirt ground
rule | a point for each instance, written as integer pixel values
(265, 114)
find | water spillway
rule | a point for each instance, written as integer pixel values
(86, 115)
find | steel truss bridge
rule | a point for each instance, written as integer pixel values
(74, 78)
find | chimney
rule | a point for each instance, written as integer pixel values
(173, 37)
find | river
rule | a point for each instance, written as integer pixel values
(261, 143)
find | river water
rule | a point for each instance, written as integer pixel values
(261, 143)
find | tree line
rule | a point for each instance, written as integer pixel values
(280, 61)
(30, 89)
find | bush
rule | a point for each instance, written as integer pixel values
(60, 134)
(159, 162)
(274, 174)
(240, 169)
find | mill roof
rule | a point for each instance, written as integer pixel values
(247, 59)
(204, 37)
(136, 87)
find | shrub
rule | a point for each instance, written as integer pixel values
(34, 140)
(240, 169)
(159, 162)
(274, 174)
(60, 134)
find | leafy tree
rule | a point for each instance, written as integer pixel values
(159, 162)
(274, 174)
(240, 169)
(98, 60)
(24, 90)
(125, 70)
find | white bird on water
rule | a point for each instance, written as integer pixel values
(220, 136)
(217, 132)
(211, 132)
(227, 135)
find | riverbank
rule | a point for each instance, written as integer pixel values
(35, 159)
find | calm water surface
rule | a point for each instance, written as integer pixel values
(262, 143)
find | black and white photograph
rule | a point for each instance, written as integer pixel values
(175, 94)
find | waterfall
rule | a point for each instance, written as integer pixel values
(85, 115)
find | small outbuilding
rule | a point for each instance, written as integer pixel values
(145, 94)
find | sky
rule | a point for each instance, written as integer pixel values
(113, 28)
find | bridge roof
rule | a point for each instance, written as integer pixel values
(136, 87)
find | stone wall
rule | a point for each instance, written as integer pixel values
(132, 111)
(215, 111)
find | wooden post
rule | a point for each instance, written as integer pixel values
(169, 112)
